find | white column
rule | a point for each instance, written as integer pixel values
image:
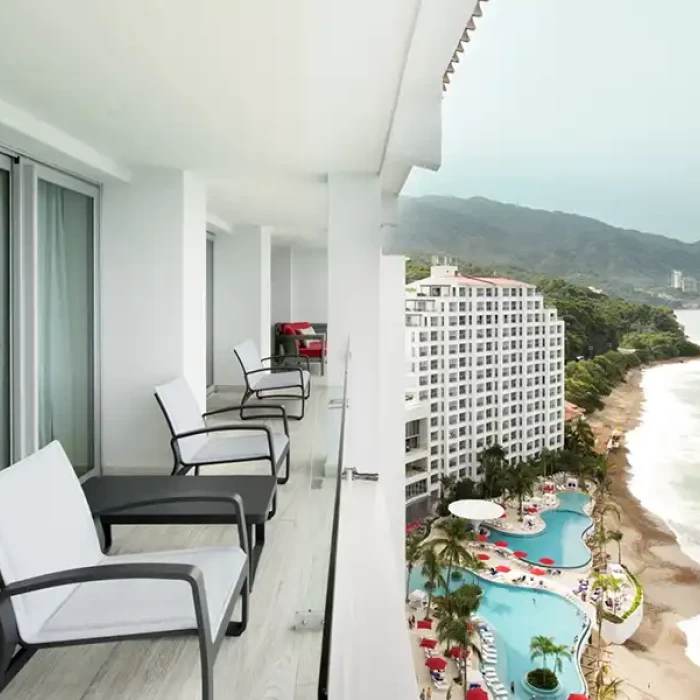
(309, 284)
(241, 298)
(281, 284)
(392, 403)
(354, 253)
(153, 308)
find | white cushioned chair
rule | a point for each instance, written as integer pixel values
(194, 444)
(58, 588)
(268, 381)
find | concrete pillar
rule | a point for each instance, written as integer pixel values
(310, 284)
(241, 298)
(281, 284)
(354, 254)
(153, 308)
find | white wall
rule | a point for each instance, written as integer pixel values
(281, 284)
(310, 284)
(241, 298)
(152, 298)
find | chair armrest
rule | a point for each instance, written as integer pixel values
(285, 369)
(313, 336)
(221, 429)
(255, 407)
(234, 499)
(269, 359)
(165, 571)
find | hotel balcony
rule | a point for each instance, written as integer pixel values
(211, 174)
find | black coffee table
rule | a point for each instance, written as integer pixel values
(258, 493)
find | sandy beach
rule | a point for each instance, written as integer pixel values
(653, 663)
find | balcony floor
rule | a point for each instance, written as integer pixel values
(270, 661)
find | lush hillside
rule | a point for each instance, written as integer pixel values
(579, 249)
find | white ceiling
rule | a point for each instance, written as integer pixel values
(261, 97)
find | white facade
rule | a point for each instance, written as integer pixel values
(489, 357)
(677, 279)
(420, 488)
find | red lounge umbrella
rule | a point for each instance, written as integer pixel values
(480, 694)
(501, 543)
(578, 696)
(536, 571)
(546, 561)
(502, 568)
(519, 554)
(428, 643)
(435, 663)
(483, 557)
(458, 653)
(424, 624)
(504, 515)
(482, 538)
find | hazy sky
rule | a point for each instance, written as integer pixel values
(587, 107)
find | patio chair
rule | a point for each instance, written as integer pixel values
(59, 589)
(281, 382)
(194, 444)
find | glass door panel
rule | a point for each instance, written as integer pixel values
(65, 322)
(210, 312)
(4, 316)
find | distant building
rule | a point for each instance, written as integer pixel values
(572, 412)
(677, 279)
(689, 285)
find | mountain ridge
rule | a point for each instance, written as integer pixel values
(554, 243)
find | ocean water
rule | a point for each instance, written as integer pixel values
(664, 455)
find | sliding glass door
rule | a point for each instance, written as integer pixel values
(5, 454)
(65, 317)
(210, 311)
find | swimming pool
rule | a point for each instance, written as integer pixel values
(517, 615)
(562, 538)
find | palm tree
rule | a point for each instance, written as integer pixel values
(616, 536)
(579, 437)
(541, 646)
(414, 550)
(492, 465)
(614, 587)
(451, 544)
(548, 462)
(559, 652)
(611, 690)
(521, 483)
(601, 581)
(432, 570)
(456, 631)
(462, 602)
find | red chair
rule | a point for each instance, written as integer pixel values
(293, 343)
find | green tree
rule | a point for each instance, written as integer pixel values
(520, 482)
(414, 550)
(451, 544)
(432, 570)
(616, 536)
(493, 464)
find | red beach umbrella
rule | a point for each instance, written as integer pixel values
(503, 569)
(424, 624)
(482, 538)
(504, 515)
(536, 571)
(428, 643)
(578, 696)
(459, 653)
(520, 554)
(480, 694)
(435, 663)
(483, 557)
(501, 543)
(546, 561)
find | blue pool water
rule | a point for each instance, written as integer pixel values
(562, 538)
(518, 614)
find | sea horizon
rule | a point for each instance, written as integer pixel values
(668, 434)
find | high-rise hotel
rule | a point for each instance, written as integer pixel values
(489, 358)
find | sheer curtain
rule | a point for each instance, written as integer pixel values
(4, 318)
(65, 322)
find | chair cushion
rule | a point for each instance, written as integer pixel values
(183, 414)
(292, 328)
(314, 348)
(240, 447)
(142, 606)
(45, 526)
(308, 330)
(281, 380)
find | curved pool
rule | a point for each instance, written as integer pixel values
(562, 538)
(516, 616)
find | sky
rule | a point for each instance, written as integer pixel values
(585, 107)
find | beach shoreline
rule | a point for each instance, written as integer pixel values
(653, 663)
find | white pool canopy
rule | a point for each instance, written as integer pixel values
(476, 509)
